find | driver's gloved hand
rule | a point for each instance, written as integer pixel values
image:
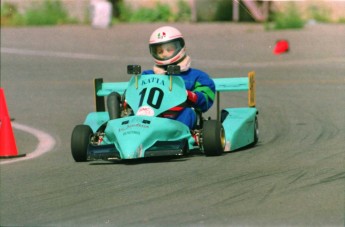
(192, 98)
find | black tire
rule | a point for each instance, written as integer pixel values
(256, 131)
(186, 151)
(114, 105)
(213, 138)
(80, 141)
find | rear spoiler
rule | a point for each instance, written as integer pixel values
(237, 84)
(222, 85)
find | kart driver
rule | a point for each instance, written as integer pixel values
(167, 47)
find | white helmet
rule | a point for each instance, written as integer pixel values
(164, 35)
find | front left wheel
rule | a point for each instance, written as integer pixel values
(80, 141)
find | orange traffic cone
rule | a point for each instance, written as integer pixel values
(8, 148)
(3, 107)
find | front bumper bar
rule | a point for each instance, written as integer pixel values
(159, 149)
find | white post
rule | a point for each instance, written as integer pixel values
(235, 10)
(101, 13)
(194, 17)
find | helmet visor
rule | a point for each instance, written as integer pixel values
(167, 50)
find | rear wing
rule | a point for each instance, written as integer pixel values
(222, 85)
(238, 84)
(234, 85)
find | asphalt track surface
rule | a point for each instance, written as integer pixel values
(293, 177)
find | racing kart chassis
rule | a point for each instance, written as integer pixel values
(132, 127)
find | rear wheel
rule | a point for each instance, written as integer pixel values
(256, 131)
(80, 141)
(114, 105)
(213, 138)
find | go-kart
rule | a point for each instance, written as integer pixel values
(132, 126)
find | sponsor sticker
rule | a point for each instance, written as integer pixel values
(145, 111)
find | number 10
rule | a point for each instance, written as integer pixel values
(154, 99)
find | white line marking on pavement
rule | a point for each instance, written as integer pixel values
(80, 56)
(45, 143)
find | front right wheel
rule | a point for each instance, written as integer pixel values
(213, 137)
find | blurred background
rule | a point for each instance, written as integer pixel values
(274, 14)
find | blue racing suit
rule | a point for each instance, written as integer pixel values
(202, 86)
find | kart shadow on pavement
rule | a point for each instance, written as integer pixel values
(249, 147)
(143, 160)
